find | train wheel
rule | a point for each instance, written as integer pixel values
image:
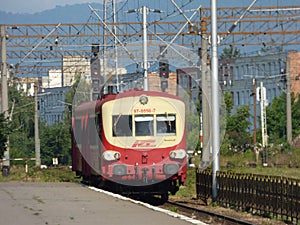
(164, 197)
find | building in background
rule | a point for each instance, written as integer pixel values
(54, 79)
(295, 72)
(243, 76)
(73, 66)
(189, 84)
(52, 104)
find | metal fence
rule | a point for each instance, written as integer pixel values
(270, 196)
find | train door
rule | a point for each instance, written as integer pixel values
(86, 168)
(93, 140)
(76, 145)
(98, 124)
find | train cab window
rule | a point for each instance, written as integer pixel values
(166, 124)
(122, 125)
(143, 125)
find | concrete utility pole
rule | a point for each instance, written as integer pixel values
(6, 163)
(256, 152)
(104, 59)
(263, 115)
(36, 128)
(206, 118)
(254, 112)
(288, 103)
(145, 11)
(115, 43)
(215, 100)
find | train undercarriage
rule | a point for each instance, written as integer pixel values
(157, 189)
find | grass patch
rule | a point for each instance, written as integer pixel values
(269, 171)
(61, 174)
(189, 189)
(173, 209)
(278, 163)
(240, 163)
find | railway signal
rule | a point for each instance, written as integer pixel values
(164, 68)
(97, 79)
(164, 73)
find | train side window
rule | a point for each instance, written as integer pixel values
(93, 137)
(143, 125)
(98, 123)
(78, 131)
(166, 124)
(122, 125)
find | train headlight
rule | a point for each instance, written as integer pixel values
(171, 169)
(111, 155)
(143, 99)
(117, 155)
(177, 154)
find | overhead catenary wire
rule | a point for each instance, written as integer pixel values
(36, 46)
(180, 30)
(233, 26)
(111, 32)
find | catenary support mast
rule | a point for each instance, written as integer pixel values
(215, 100)
(6, 163)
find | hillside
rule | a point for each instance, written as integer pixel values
(80, 13)
(77, 13)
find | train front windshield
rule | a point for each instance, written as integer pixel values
(122, 125)
(165, 124)
(144, 125)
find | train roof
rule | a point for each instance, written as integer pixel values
(90, 107)
(86, 107)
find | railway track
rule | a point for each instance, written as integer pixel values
(205, 216)
(193, 210)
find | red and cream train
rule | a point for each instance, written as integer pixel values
(131, 142)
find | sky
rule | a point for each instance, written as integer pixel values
(33, 6)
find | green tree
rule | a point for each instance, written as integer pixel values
(228, 102)
(4, 132)
(276, 118)
(237, 126)
(55, 143)
(229, 53)
(239, 122)
(22, 123)
(56, 139)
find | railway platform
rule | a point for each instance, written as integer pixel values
(70, 203)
